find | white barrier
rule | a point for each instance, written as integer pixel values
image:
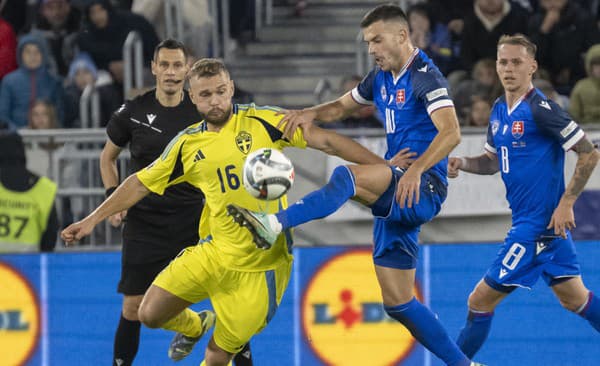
(469, 194)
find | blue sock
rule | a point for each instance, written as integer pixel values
(591, 311)
(428, 330)
(475, 332)
(322, 202)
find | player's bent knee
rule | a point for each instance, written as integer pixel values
(149, 318)
(478, 301)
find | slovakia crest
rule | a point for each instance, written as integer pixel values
(518, 128)
(383, 93)
(495, 126)
(400, 97)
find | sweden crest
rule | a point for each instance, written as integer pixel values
(244, 141)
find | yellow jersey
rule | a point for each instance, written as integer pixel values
(213, 162)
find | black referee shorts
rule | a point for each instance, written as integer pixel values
(137, 277)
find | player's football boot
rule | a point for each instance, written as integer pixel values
(182, 345)
(259, 224)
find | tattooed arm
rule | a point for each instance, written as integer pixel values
(563, 217)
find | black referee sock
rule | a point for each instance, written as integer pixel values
(244, 357)
(127, 340)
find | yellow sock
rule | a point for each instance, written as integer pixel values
(187, 323)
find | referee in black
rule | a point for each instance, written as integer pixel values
(157, 228)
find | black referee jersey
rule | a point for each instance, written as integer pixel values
(157, 227)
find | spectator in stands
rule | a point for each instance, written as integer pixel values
(31, 81)
(479, 112)
(196, 18)
(82, 72)
(484, 84)
(563, 32)
(59, 23)
(42, 116)
(484, 25)
(8, 48)
(363, 117)
(547, 88)
(15, 13)
(430, 36)
(585, 98)
(27, 201)
(105, 32)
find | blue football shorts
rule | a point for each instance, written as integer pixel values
(520, 264)
(396, 230)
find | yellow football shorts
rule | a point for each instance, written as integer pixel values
(244, 302)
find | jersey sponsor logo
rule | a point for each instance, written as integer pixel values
(151, 117)
(436, 94)
(383, 92)
(545, 104)
(518, 128)
(570, 128)
(19, 317)
(495, 125)
(400, 97)
(503, 272)
(343, 317)
(121, 108)
(422, 69)
(244, 141)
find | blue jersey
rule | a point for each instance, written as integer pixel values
(530, 140)
(405, 103)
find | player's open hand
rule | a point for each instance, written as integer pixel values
(454, 166)
(403, 159)
(117, 219)
(408, 191)
(294, 118)
(562, 219)
(76, 231)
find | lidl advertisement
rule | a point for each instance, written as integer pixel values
(63, 309)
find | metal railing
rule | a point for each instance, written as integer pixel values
(133, 63)
(89, 107)
(263, 13)
(174, 25)
(364, 63)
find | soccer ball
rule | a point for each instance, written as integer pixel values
(268, 174)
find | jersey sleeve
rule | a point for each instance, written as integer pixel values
(363, 93)
(490, 146)
(431, 88)
(117, 129)
(552, 120)
(168, 169)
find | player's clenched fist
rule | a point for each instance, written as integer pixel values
(454, 166)
(76, 231)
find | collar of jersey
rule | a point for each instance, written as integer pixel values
(509, 110)
(414, 54)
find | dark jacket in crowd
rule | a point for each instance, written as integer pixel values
(106, 45)
(563, 47)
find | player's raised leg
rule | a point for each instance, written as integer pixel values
(364, 183)
(575, 297)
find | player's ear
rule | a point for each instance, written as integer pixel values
(534, 67)
(153, 67)
(232, 87)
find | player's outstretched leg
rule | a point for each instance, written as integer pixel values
(182, 345)
(428, 330)
(318, 204)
